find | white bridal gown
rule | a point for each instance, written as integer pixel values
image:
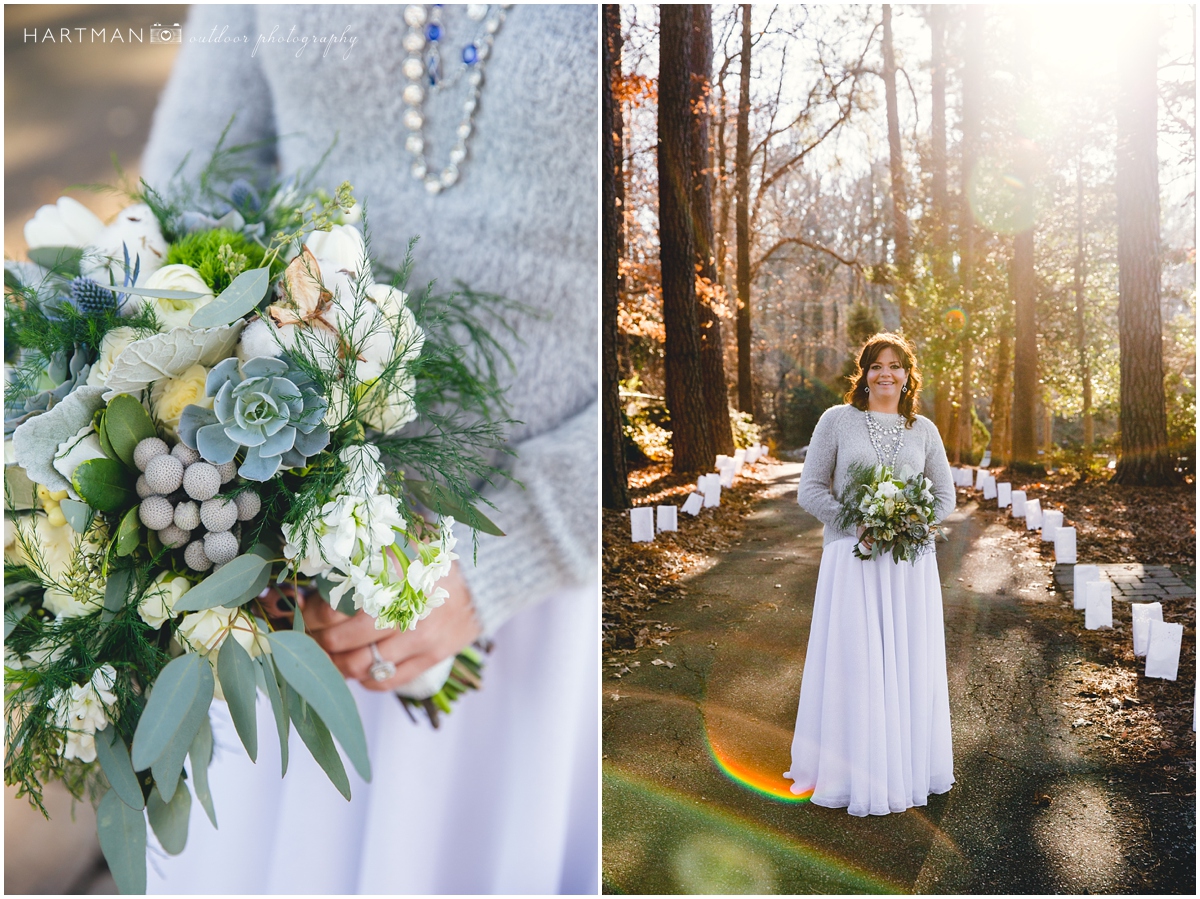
(873, 725)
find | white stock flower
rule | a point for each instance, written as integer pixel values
(312, 563)
(67, 223)
(176, 313)
(80, 746)
(135, 228)
(111, 347)
(158, 602)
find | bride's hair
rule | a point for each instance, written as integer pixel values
(857, 395)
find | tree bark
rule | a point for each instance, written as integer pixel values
(691, 433)
(1085, 371)
(742, 214)
(1144, 459)
(972, 102)
(712, 353)
(614, 480)
(937, 152)
(1025, 362)
(1002, 401)
(899, 197)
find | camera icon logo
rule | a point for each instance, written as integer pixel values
(161, 34)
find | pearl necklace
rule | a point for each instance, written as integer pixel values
(422, 69)
(889, 440)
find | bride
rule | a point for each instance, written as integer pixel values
(873, 727)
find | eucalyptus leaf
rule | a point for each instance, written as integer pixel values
(168, 766)
(278, 707)
(113, 755)
(158, 292)
(235, 668)
(128, 533)
(239, 298)
(257, 586)
(105, 485)
(116, 591)
(20, 493)
(170, 819)
(78, 515)
(306, 667)
(445, 502)
(315, 734)
(236, 582)
(201, 756)
(126, 424)
(63, 260)
(122, 833)
(171, 699)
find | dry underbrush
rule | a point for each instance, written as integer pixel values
(638, 575)
(1123, 714)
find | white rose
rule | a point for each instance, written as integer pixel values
(111, 348)
(170, 396)
(67, 223)
(135, 228)
(205, 631)
(76, 450)
(393, 303)
(158, 602)
(387, 410)
(340, 249)
(177, 313)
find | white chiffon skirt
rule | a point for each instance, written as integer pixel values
(873, 727)
(501, 799)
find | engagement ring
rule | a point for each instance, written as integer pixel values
(381, 669)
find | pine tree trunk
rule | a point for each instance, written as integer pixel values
(938, 15)
(712, 353)
(1085, 371)
(1025, 364)
(960, 447)
(742, 214)
(614, 480)
(1144, 457)
(1002, 401)
(691, 433)
(899, 198)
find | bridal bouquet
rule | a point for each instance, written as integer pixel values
(204, 400)
(896, 513)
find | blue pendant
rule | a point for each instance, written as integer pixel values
(470, 54)
(433, 31)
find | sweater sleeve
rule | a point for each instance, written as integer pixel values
(815, 493)
(210, 84)
(550, 524)
(937, 469)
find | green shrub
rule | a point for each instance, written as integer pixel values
(802, 407)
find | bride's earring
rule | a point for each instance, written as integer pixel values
(904, 389)
(866, 389)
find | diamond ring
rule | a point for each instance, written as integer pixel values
(381, 669)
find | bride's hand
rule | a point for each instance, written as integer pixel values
(348, 639)
(864, 538)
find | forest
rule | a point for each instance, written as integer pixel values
(1010, 187)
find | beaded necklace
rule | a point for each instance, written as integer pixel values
(886, 440)
(424, 71)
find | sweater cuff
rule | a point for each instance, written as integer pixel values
(550, 526)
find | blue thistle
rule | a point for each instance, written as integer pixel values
(92, 298)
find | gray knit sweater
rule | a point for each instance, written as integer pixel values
(840, 440)
(521, 222)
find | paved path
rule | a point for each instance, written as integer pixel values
(694, 746)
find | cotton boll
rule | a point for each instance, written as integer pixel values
(258, 339)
